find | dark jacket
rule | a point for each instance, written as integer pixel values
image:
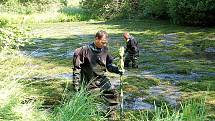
(132, 46)
(91, 62)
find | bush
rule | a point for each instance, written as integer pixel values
(26, 6)
(32, 1)
(111, 9)
(192, 12)
(189, 12)
(100, 9)
(3, 22)
(13, 38)
(74, 14)
(128, 9)
(154, 8)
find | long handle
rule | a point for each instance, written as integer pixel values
(121, 53)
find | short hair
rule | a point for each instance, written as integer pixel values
(101, 33)
(126, 34)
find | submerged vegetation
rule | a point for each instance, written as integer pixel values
(189, 111)
(46, 62)
(174, 81)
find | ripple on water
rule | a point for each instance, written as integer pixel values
(170, 94)
(58, 44)
(137, 104)
(68, 76)
(36, 53)
(38, 40)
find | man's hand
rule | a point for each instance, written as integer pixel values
(121, 72)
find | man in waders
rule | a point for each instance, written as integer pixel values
(131, 51)
(90, 63)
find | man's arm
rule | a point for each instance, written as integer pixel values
(134, 45)
(111, 67)
(126, 48)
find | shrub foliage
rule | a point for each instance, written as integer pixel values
(189, 12)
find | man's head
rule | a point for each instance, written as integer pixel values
(126, 35)
(101, 39)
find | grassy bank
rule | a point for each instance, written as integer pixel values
(46, 11)
(67, 14)
(16, 102)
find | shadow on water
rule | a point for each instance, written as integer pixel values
(160, 26)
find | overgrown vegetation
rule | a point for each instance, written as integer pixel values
(184, 12)
(187, 12)
(32, 87)
(13, 37)
(192, 110)
(37, 11)
(15, 102)
(26, 6)
(191, 12)
(80, 107)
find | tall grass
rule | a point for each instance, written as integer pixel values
(76, 13)
(27, 6)
(63, 15)
(80, 107)
(14, 103)
(55, 12)
(192, 110)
